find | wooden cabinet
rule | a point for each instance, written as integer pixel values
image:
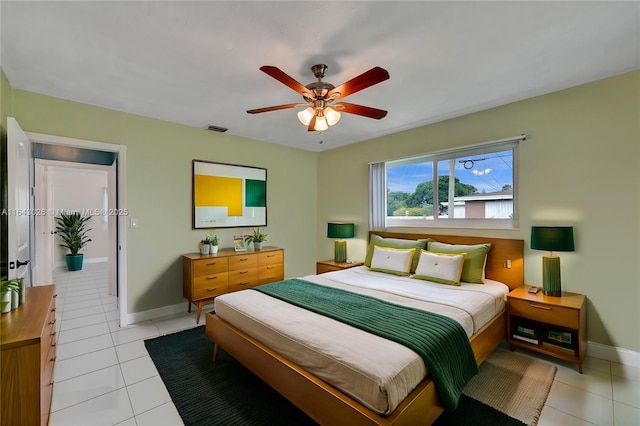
(555, 326)
(27, 357)
(330, 265)
(207, 276)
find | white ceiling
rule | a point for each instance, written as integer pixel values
(197, 63)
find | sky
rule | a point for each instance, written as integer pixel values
(487, 172)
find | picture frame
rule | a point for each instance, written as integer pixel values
(239, 243)
(228, 195)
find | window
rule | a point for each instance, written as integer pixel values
(474, 186)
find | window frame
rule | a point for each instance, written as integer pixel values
(506, 144)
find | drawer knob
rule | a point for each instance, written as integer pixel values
(546, 308)
(212, 289)
(269, 267)
(212, 277)
(243, 272)
(52, 322)
(242, 259)
(53, 359)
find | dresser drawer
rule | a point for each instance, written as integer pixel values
(245, 278)
(208, 286)
(542, 312)
(270, 257)
(209, 266)
(270, 273)
(243, 262)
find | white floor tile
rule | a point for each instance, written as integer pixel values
(148, 394)
(68, 336)
(132, 350)
(626, 415)
(164, 415)
(84, 346)
(594, 381)
(579, 403)
(70, 324)
(135, 333)
(73, 367)
(626, 391)
(137, 370)
(626, 371)
(108, 409)
(552, 417)
(82, 388)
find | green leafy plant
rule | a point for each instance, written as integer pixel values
(9, 285)
(71, 227)
(211, 240)
(256, 237)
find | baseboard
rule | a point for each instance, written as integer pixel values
(165, 311)
(613, 354)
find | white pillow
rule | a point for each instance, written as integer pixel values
(392, 261)
(441, 268)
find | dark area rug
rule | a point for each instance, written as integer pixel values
(226, 393)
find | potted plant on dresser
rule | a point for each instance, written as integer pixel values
(71, 227)
(9, 294)
(257, 238)
(213, 243)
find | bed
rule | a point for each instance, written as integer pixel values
(314, 385)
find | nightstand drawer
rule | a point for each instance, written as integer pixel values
(543, 312)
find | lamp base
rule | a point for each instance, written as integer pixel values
(551, 285)
(340, 251)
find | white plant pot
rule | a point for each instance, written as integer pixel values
(6, 297)
(205, 249)
(15, 300)
(213, 250)
(257, 245)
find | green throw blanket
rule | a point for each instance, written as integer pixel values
(440, 341)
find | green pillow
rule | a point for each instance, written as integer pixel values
(396, 243)
(473, 269)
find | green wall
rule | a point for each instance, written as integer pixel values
(158, 189)
(578, 167)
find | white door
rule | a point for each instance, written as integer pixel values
(19, 202)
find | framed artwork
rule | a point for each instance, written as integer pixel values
(228, 195)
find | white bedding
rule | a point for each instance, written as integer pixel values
(377, 372)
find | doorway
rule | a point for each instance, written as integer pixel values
(68, 156)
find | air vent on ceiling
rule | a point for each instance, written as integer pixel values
(217, 128)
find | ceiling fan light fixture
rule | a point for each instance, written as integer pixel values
(331, 115)
(306, 116)
(321, 124)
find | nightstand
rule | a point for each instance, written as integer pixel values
(330, 265)
(555, 326)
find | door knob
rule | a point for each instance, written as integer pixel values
(19, 263)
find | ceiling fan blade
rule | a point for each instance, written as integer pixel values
(364, 111)
(369, 78)
(273, 108)
(312, 123)
(285, 79)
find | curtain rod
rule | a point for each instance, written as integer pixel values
(522, 137)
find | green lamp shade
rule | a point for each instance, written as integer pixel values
(340, 230)
(552, 238)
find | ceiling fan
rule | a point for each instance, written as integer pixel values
(321, 97)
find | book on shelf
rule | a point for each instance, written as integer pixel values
(535, 340)
(526, 330)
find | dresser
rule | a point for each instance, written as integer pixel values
(205, 276)
(28, 353)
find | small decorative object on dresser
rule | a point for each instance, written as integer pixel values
(555, 326)
(331, 265)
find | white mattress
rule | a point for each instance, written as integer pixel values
(377, 372)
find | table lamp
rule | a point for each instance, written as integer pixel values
(551, 238)
(340, 230)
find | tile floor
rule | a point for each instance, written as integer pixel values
(104, 376)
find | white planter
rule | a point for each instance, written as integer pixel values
(205, 249)
(15, 300)
(6, 297)
(213, 250)
(257, 245)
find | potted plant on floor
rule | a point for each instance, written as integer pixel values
(71, 227)
(257, 238)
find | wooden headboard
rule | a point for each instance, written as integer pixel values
(502, 249)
